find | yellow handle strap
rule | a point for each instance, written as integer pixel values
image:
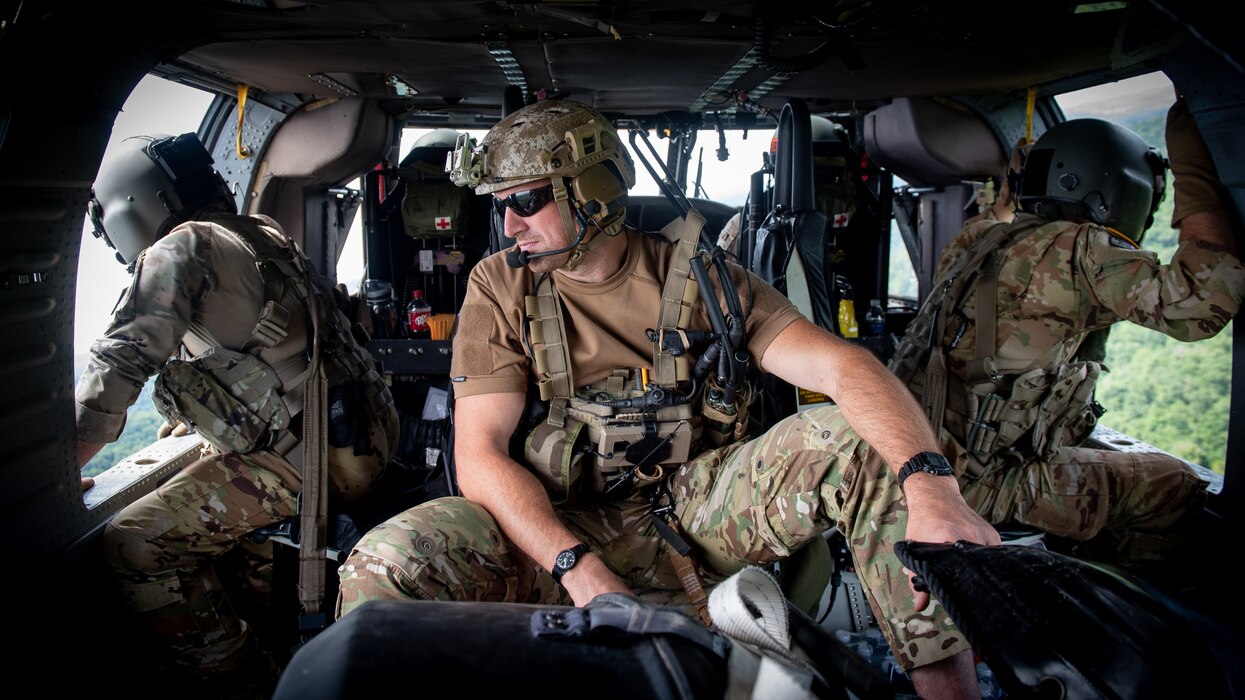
(243, 151)
(1029, 114)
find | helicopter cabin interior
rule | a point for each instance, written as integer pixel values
(873, 129)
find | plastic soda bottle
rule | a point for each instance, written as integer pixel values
(417, 313)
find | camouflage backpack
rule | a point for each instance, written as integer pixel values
(232, 399)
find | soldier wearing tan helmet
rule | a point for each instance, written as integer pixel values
(221, 309)
(1017, 306)
(574, 316)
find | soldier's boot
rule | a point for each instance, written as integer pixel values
(235, 669)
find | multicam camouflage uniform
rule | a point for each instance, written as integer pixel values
(752, 502)
(199, 286)
(1059, 282)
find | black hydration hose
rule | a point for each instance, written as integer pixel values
(725, 350)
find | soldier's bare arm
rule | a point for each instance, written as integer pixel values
(513, 495)
(1201, 204)
(884, 413)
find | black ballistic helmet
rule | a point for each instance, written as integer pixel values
(148, 185)
(1094, 170)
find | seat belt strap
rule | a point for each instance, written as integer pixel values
(750, 609)
(313, 501)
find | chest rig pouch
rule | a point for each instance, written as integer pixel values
(232, 399)
(609, 435)
(1044, 410)
(631, 428)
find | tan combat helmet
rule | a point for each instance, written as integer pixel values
(570, 143)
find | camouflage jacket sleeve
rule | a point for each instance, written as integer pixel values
(146, 330)
(1191, 298)
(973, 229)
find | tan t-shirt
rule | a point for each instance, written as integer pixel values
(605, 322)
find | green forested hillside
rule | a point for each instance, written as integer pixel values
(140, 431)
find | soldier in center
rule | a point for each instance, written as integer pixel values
(636, 449)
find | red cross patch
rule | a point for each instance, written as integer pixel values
(839, 221)
(443, 223)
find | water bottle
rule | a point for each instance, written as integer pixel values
(417, 313)
(875, 319)
(378, 294)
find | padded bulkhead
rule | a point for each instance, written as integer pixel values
(932, 142)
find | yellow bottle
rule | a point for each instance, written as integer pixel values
(847, 319)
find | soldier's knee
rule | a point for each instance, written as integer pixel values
(130, 551)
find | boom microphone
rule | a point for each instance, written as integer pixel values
(517, 258)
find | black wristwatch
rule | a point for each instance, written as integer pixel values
(567, 559)
(928, 462)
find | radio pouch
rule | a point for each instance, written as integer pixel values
(232, 399)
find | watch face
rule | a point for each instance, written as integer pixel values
(937, 467)
(565, 559)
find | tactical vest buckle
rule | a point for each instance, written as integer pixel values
(270, 330)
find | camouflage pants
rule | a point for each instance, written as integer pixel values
(162, 547)
(1130, 508)
(749, 503)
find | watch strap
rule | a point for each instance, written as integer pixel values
(558, 570)
(928, 462)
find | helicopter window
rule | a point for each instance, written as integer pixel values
(1171, 394)
(721, 181)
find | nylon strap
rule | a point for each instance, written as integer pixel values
(680, 554)
(678, 297)
(934, 398)
(981, 369)
(610, 613)
(750, 609)
(314, 504)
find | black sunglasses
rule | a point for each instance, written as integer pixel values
(524, 203)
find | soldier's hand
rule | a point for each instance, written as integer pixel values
(166, 430)
(87, 482)
(590, 578)
(937, 513)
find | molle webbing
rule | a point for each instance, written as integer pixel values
(944, 299)
(276, 263)
(275, 268)
(550, 352)
(678, 299)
